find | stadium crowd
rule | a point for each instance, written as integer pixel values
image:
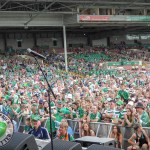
(120, 97)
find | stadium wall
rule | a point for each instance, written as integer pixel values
(100, 42)
(1, 44)
(42, 40)
(130, 42)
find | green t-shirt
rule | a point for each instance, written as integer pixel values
(81, 112)
(27, 128)
(95, 116)
(58, 117)
(48, 126)
(74, 115)
(144, 119)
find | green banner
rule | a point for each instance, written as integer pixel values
(114, 63)
(124, 63)
(138, 18)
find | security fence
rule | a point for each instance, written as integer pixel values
(104, 129)
(101, 129)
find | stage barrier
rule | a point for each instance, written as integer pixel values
(102, 129)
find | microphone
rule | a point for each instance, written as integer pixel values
(35, 53)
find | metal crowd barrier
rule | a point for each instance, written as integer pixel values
(74, 124)
(104, 129)
(101, 129)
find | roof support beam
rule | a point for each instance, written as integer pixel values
(26, 23)
(4, 4)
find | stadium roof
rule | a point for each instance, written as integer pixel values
(59, 5)
(32, 9)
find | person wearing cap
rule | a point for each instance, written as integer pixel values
(38, 131)
(141, 116)
(59, 115)
(59, 105)
(66, 113)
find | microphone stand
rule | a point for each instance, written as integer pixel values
(49, 100)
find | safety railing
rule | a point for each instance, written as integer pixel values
(101, 129)
(104, 129)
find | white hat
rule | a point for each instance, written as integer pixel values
(69, 96)
(131, 103)
(133, 98)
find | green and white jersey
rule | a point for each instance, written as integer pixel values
(122, 113)
(114, 112)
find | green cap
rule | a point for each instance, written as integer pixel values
(120, 102)
(65, 111)
(35, 117)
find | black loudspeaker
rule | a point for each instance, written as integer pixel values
(101, 147)
(21, 141)
(87, 141)
(63, 145)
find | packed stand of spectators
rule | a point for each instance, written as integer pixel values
(122, 99)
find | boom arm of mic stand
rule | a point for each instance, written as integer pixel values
(49, 100)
